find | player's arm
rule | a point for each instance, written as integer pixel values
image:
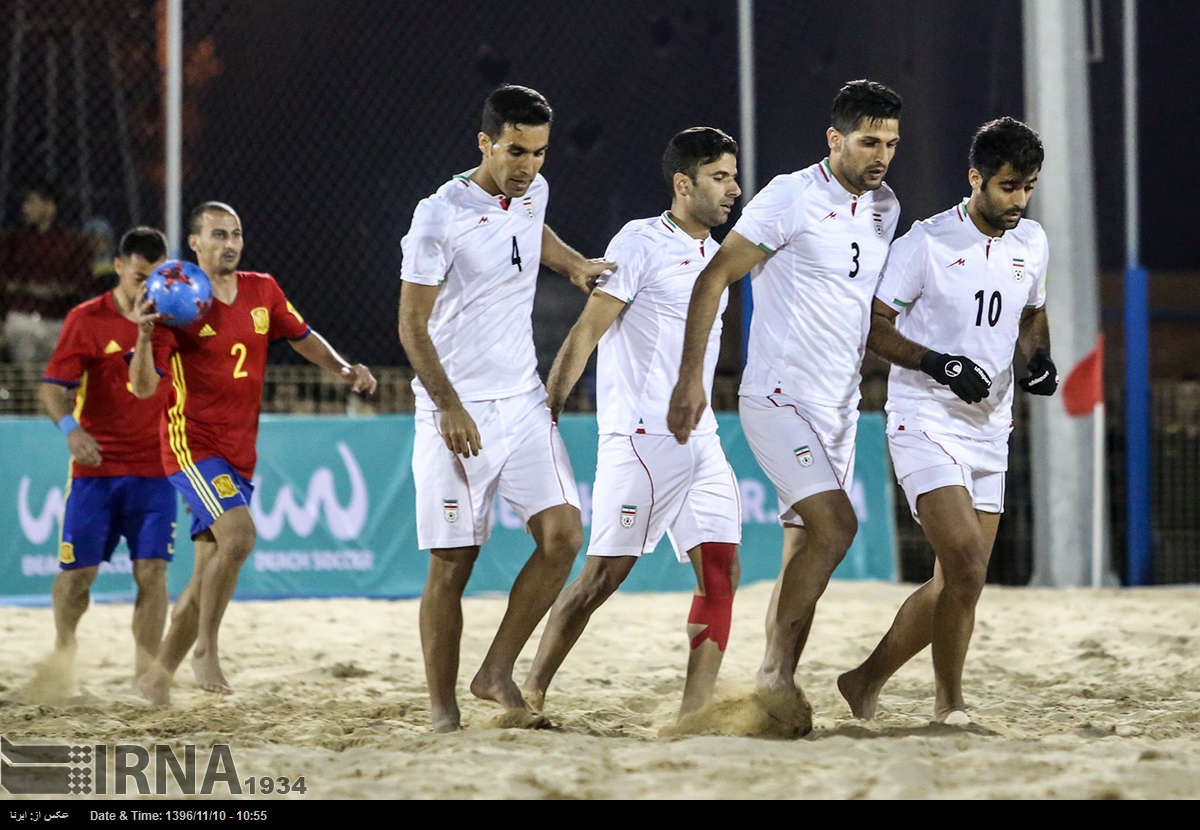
(1033, 338)
(733, 261)
(965, 377)
(561, 257)
(60, 403)
(457, 426)
(143, 376)
(598, 316)
(316, 350)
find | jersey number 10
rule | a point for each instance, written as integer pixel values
(993, 308)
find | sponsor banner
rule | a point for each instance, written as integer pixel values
(334, 506)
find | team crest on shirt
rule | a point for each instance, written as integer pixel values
(528, 203)
(628, 515)
(804, 456)
(877, 218)
(1018, 269)
(450, 510)
(262, 320)
(66, 553)
(224, 486)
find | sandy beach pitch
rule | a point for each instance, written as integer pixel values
(1076, 694)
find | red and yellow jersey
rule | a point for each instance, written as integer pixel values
(217, 367)
(90, 358)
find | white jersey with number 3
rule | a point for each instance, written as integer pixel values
(637, 364)
(812, 294)
(962, 292)
(484, 251)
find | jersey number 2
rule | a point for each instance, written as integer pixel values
(239, 349)
(854, 247)
(516, 254)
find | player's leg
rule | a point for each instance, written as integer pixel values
(558, 534)
(830, 525)
(569, 615)
(147, 521)
(70, 595)
(441, 623)
(87, 540)
(235, 535)
(717, 574)
(149, 611)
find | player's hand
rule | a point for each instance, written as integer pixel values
(360, 376)
(1043, 376)
(144, 313)
(585, 274)
(83, 447)
(965, 378)
(459, 431)
(687, 405)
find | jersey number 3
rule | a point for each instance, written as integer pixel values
(854, 247)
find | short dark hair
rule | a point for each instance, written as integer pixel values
(196, 217)
(863, 100)
(511, 104)
(45, 189)
(694, 147)
(148, 243)
(1006, 141)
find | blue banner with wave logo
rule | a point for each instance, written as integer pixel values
(334, 507)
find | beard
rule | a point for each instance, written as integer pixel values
(997, 218)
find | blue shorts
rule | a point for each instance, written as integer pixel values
(99, 511)
(210, 488)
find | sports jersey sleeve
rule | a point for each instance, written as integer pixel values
(285, 320)
(773, 215)
(633, 254)
(903, 277)
(69, 360)
(1037, 286)
(426, 249)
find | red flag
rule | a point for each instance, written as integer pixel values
(1083, 389)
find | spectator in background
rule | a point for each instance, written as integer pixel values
(98, 234)
(44, 271)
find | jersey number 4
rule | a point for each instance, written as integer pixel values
(516, 254)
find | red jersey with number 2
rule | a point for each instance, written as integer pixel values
(90, 358)
(217, 367)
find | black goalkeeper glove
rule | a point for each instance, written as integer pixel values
(965, 378)
(1043, 376)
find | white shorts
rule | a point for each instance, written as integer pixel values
(523, 458)
(647, 485)
(803, 448)
(926, 461)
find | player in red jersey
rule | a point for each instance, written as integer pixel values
(208, 432)
(117, 486)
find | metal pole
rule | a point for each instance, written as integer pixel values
(81, 125)
(1137, 336)
(747, 141)
(174, 125)
(13, 89)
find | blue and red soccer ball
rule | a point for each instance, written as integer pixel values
(180, 291)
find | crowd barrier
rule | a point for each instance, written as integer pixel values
(333, 503)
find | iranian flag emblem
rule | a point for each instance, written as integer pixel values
(878, 218)
(628, 515)
(804, 456)
(1018, 269)
(450, 510)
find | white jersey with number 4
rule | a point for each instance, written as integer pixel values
(962, 292)
(637, 363)
(812, 294)
(484, 251)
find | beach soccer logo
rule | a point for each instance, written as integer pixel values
(804, 456)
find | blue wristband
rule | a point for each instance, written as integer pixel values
(67, 424)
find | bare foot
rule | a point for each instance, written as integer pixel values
(769, 680)
(208, 674)
(446, 723)
(155, 685)
(763, 713)
(502, 690)
(862, 698)
(535, 700)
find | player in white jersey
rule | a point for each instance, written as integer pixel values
(814, 242)
(470, 266)
(648, 484)
(960, 292)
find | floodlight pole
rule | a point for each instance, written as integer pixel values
(747, 141)
(173, 110)
(1137, 335)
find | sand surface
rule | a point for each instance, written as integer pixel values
(1076, 694)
